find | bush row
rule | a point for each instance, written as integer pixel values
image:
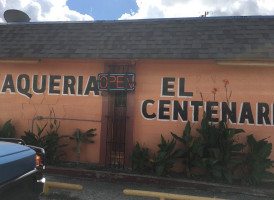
(48, 138)
(215, 152)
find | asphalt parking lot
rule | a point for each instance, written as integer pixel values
(98, 190)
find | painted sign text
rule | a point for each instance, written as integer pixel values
(54, 84)
(173, 110)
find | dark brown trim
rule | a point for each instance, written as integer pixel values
(130, 123)
(103, 137)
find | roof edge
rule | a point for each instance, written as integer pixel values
(144, 20)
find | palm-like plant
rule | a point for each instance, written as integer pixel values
(140, 158)
(38, 139)
(166, 157)
(8, 130)
(192, 149)
(82, 137)
(257, 161)
(221, 150)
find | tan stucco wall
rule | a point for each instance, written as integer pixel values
(248, 84)
(22, 110)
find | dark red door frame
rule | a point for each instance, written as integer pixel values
(130, 120)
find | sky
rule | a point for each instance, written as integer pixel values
(89, 10)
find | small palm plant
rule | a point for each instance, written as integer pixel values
(80, 138)
(38, 139)
(192, 149)
(256, 162)
(140, 158)
(166, 157)
(221, 149)
(8, 130)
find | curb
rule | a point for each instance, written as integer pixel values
(123, 177)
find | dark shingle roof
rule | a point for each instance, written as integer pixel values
(193, 38)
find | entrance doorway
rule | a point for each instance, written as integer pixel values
(116, 129)
(116, 141)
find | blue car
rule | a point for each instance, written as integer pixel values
(20, 170)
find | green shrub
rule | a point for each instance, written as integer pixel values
(54, 146)
(166, 157)
(80, 138)
(192, 149)
(31, 138)
(140, 158)
(49, 141)
(221, 150)
(256, 161)
(8, 130)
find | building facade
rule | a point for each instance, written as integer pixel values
(137, 80)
